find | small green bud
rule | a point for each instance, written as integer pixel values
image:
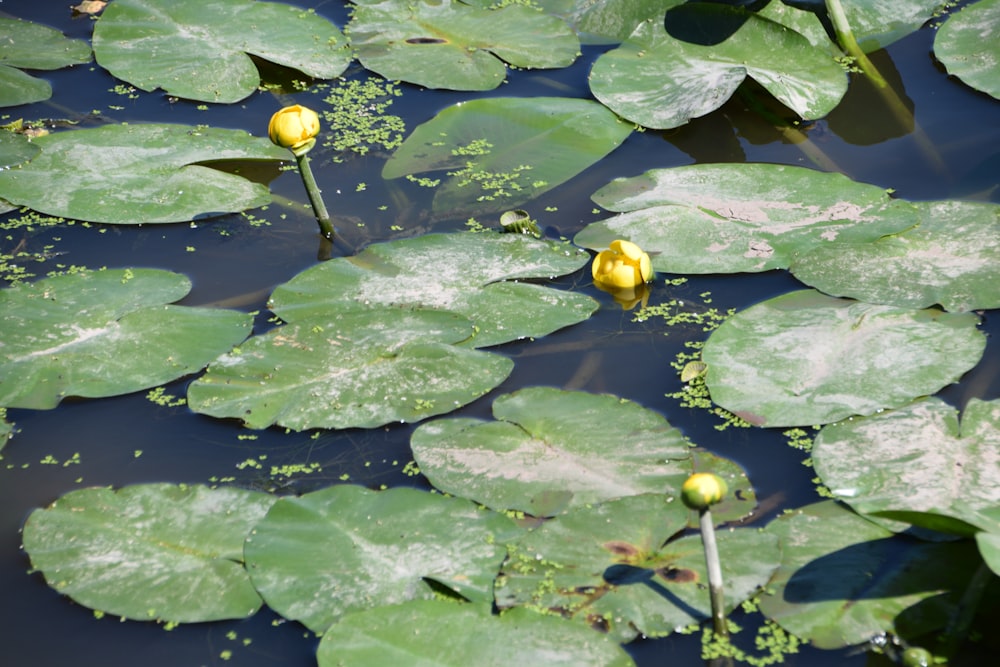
(917, 657)
(703, 489)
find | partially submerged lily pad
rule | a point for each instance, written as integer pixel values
(320, 556)
(415, 632)
(844, 579)
(356, 369)
(948, 257)
(968, 45)
(727, 218)
(610, 566)
(474, 275)
(28, 45)
(150, 552)
(15, 149)
(137, 174)
(200, 49)
(453, 45)
(105, 333)
(805, 358)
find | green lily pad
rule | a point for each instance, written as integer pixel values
(139, 174)
(412, 633)
(605, 21)
(350, 370)
(344, 549)
(501, 152)
(805, 358)
(949, 258)
(33, 46)
(15, 149)
(6, 428)
(611, 567)
(470, 274)
(968, 45)
(728, 218)
(105, 333)
(915, 458)
(844, 580)
(551, 449)
(662, 78)
(878, 23)
(200, 49)
(452, 45)
(150, 552)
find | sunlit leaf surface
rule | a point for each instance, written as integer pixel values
(15, 149)
(200, 49)
(33, 46)
(325, 554)
(105, 333)
(151, 551)
(137, 174)
(804, 358)
(878, 23)
(969, 46)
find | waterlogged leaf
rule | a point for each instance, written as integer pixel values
(551, 449)
(200, 49)
(320, 556)
(728, 218)
(105, 333)
(150, 552)
(949, 258)
(605, 21)
(15, 148)
(452, 45)
(33, 46)
(468, 274)
(843, 579)
(805, 358)
(610, 566)
(878, 23)
(969, 46)
(139, 174)
(501, 152)
(356, 369)
(414, 633)
(662, 78)
(917, 458)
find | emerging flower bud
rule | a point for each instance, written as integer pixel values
(703, 489)
(294, 127)
(624, 264)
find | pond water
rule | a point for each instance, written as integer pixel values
(129, 439)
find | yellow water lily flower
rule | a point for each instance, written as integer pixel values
(624, 264)
(294, 127)
(703, 489)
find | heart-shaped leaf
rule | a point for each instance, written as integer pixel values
(138, 174)
(344, 549)
(200, 49)
(105, 333)
(33, 46)
(151, 551)
(805, 358)
(604, 21)
(878, 23)
(969, 46)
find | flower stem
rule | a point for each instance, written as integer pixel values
(315, 197)
(715, 588)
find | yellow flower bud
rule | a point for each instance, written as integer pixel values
(294, 127)
(624, 264)
(703, 489)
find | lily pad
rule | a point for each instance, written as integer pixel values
(413, 633)
(728, 218)
(470, 274)
(610, 566)
(445, 44)
(350, 370)
(200, 49)
(33, 46)
(968, 45)
(915, 458)
(501, 152)
(105, 333)
(605, 21)
(6, 428)
(323, 555)
(663, 77)
(551, 449)
(139, 174)
(949, 258)
(150, 552)
(15, 149)
(805, 358)
(878, 23)
(844, 580)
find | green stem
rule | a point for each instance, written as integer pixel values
(850, 45)
(315, 197)
(715, 588)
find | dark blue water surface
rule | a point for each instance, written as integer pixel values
(609, 353)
